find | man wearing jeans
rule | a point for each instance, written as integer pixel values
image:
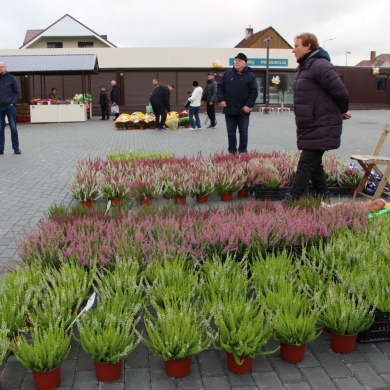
(237, 93)
(9, 96)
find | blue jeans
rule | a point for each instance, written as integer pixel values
(194, 111)
(10, 111)
(242, 122)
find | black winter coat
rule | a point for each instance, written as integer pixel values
(160, 97)
(237, 90)
(210, 91)
(9, 89)
(115, 92)
(320, 100)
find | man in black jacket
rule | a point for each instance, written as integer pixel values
(237, 93)
(9, 96)
(104, 101)
(210, 97)
(159, 99)
(114, 95)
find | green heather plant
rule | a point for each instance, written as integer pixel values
(201, 179)
(146, 183)
(138, 155)
(180, 330)
(228, 177)
(270, 270)
(351, 177)
(124, 279)
(49, 348)
(344, 313)
(296, 316)
(4, 341)
(223, 278)
(171, 279)
(85, 183)
(107, 333)
(243, 325)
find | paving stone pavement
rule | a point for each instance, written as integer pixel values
(33, 181)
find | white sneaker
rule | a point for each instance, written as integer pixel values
(192, 129)
(198, 128)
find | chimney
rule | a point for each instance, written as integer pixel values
(248, 32)
(372, 56)
(104, 37)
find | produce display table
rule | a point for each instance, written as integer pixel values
(58, 113)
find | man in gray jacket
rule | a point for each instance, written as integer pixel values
(210, 97)
(9, 96)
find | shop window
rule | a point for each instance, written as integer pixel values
(85, 44)
(380, 83)
(54, 45)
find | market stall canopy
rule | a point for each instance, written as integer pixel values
(51, 64)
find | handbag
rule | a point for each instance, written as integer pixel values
(187, 104)
(114, 109)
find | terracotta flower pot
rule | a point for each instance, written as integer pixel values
(108, 372)
(116, 201)
(291, 353)
(180, 199)
(243, 193)
(244, 368)
(87, 203)
(202, 198)
(145, 201)
(47, 380)
(120, 128)
(178, 368)
(342, 343)
(227, 197)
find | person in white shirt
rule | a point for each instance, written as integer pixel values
(195, 99)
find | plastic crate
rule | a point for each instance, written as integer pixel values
(262, 193)
(379, 330)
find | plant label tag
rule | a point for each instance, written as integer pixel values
(89, 304)
(108, 208)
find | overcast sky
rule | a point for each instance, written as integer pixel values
(358, 26)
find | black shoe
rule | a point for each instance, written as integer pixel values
(101, 119)
(160, 128)
(114, 119)
(17, 151)
(1, 151)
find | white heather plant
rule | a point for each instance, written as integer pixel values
(4, 341)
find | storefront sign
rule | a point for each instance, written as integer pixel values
(263, 61)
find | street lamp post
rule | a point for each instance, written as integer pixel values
(330, 39)
(266, 77)
(346, 57)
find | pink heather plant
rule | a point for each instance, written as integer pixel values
(201, 178)
(229, 177)
(333, 167)
(195, 233)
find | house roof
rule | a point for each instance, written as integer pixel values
(247, 42)
(51, 64)
(67, 26)
(381, 60)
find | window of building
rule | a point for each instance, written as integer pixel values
(380, 83)
(54, 45)
(85, 44)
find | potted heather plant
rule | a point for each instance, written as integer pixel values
(107, 335)
(146, 184)
(295, 321)
(114, 184)
(85, 182)
(345, 315)
(178, 332)
(229, 178)
(201, 181)
(243, 329)
(4, 342)
(177, 182)
(44, 355)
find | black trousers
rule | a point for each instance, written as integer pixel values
(160, 113)
(105, 111)
(211, 113)
(309, 168)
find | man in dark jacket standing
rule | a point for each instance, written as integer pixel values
(9, 96)
(237, 93)
(210, 97)
(160, 101)
(104, 101)
(320, 105)
(114, 95)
